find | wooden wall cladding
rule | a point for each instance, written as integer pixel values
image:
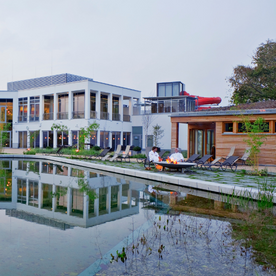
(224, 141)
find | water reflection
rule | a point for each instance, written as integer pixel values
(53, 191)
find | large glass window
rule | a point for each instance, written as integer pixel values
(62, 138)
(125, 196)
(167, 106)
(34, 108)
(93, 138)
(33, 193)
(47, 191)
(78, 105)
(116, 139)
(47, 139)
(48, 108)
(228, 127)
(77, 203)
(61, 199)
(21, 191)
(22, 143)
(22, 109)
(103, 201)
(93, 113)
(115, 109)
(161, 107)
(104, 139)
(6, 110)
(104, 107)
(114, 198)
(63, 106)
(34, 139)
(75, 137)
(169, 89)
(126, 138)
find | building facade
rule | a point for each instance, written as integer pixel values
(29, 108)
(222, 129)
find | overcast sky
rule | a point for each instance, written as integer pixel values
(134, 44)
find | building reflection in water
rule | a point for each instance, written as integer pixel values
(53, 191)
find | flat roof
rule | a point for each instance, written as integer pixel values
(168, 98)
(225, 112)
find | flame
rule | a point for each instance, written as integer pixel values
(171, 160)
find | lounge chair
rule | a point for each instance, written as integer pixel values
(214, 164)
(230, 162)
(59, 151)
(125, 155)
(116, 153)
(102, 154)
(244, 158)
(192, 158)
(200, 163)
(232, 150)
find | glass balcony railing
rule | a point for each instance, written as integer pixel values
(48, 116)
(126, 118)
(22, 118)
(78, 114)
(62, 115)
(33, 118)
(93, 114)
(104, 116)
(115, 117)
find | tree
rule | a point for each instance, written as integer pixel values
(255, 138)
(158, 133)
(85, 133)
(257, 82)
(147, 120)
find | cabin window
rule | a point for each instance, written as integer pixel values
(228, 127)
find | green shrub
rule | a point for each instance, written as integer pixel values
(137, 148)
(29, 152)
(96, 148)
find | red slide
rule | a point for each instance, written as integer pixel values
(203, 100)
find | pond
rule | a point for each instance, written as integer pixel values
(51, 226)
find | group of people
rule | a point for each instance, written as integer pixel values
(177, 155)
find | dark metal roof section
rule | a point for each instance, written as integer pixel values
(44, 81)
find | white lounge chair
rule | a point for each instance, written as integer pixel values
(116, 153)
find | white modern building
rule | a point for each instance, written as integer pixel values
(30, 108)
(33, 106)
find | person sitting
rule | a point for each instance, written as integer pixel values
(153, 155)
(177, 155)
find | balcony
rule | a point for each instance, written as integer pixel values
(62, 115)
(22, 119)
(48, 116)
(115, 117)
(126, 118)
(104, 116)
(93, 114)
(78, 114)
(33, 118)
